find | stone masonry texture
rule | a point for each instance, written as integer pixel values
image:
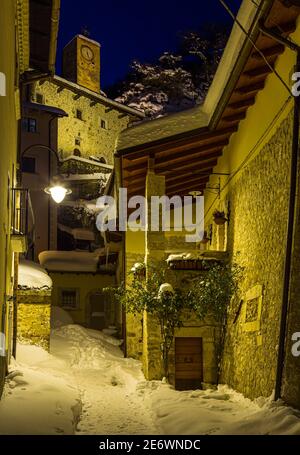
(34, 308)
(257, 235)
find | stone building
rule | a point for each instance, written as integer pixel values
(238, 149)
(33, 304)
(93, 121)
(70, 128)
(21, 24)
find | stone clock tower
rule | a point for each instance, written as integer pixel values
(81, 62)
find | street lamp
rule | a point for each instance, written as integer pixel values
(57, 192)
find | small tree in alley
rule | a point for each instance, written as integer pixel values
(208, 295)
(154, 295)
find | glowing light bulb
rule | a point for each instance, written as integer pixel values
(57, 192)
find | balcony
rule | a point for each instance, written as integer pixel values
(19, 224)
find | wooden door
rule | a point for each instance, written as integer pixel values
(188, 363)
(97, 311)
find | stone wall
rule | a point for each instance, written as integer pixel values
(134, 323)
(291, 371)
(34, 308)
(257, 231)
(94, 140)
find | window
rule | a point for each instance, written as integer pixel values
(69, 298)
(39, 98)
(29, 125)
(79, 114)
(103, 124)
(28, 165)
(77, 141)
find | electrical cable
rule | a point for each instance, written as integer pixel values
(252, 151)
(274, 23)
(224, 4)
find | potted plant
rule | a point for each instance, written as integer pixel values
(219, 217)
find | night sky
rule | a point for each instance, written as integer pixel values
(135, 29)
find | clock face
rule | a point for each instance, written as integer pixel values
(87, 53)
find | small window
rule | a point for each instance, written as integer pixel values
(28, 165)
(39, 98)
(79, 114)
(102, 160)
(69, 298)
(103, 124)
(29, 125)
(77, 141)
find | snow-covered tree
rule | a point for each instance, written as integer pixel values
(176, 81)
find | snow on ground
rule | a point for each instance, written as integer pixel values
(37, 400)
(86, 377)
(220, 412)
(107, 382)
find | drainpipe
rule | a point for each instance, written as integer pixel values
(54, 117)
(290, 221)
(53, 36)
(289, 244)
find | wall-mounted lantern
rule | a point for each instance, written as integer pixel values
(57, 192)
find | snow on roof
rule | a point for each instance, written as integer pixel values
(33, 276)
(90, 205)
(199, 116)
(78, 177)
(69, 261)
(162, 127)
(100, 98)
(78, 233)
(87, 161)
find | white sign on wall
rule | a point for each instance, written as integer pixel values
(2, 84)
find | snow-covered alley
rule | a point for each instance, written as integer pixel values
(85, 386)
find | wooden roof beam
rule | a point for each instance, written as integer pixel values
(193, 182)
(170, 167)
(198, 161)
(235, 117)
(260, 71)
(176, 177)
(250, 88)
(180, 156)
(192, 165)
(184, 144)
(242, 104)
(193, 153)
(269, 51)
(139, 188)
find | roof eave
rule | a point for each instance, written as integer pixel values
(97, 97)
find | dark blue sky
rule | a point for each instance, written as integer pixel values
(134, 29)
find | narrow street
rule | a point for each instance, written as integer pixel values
(107, 383)
(85, 386)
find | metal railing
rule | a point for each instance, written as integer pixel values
(20, 210)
